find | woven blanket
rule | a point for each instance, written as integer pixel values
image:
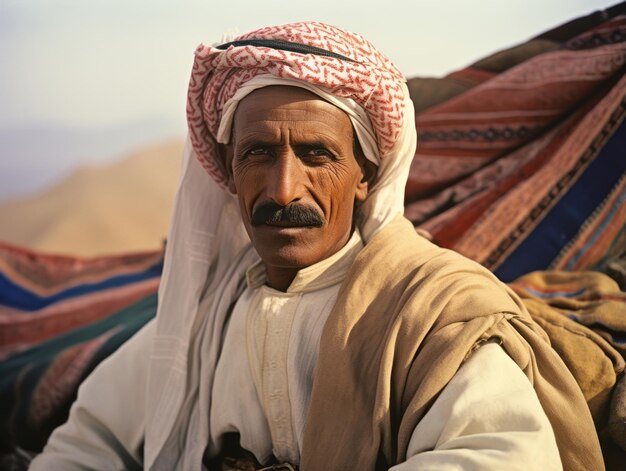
(522, 168)
(59, 317)
(44, 295)
(584, 314)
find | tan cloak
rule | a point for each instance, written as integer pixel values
(406, 317)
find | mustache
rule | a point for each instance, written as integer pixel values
(296, 214)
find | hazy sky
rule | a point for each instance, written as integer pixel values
(103, 62)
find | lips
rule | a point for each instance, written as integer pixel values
(286, 224)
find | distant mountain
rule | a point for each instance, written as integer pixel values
(34, 157)
(102, 208)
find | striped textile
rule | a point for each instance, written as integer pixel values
(524, 169)
(31, 281)
(589, 298)
(45, 295)
(59, 317)
(38, 385)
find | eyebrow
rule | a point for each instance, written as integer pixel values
(313, 142)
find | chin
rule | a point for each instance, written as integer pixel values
(291, 257)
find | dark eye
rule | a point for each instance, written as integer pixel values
(317, 154)
(259, 151)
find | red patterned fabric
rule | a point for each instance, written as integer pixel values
(370, 79)
(20, 330)
(46, 274)
(503, 170)
(43, 296)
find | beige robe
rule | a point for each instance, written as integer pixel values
(405, 319)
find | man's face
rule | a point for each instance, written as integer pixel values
(295, 174)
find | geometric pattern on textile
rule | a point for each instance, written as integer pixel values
(59, 317)
(578, 230)
(524, 170)
(42, 296)
(39, 384)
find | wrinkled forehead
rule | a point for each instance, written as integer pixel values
(274, 96)
(290, 107)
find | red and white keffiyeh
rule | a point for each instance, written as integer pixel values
(367, 77)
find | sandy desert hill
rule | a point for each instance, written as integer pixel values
(105, 209)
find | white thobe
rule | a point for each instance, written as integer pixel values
(487, 417)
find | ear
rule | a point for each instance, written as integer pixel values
(226, 158)
(368, 173)
(361, 191)
(367, 169)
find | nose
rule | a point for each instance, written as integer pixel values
(285, 181)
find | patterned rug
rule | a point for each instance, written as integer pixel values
(522, 167)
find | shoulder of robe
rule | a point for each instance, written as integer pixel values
(402, 267)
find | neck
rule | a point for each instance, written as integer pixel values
(280, 278)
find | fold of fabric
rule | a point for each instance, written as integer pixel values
(523, 170)
(402, 325)
(39, 384)
(584, 314)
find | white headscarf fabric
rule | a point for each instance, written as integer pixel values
(207, 254)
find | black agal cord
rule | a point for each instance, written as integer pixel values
(285, 46)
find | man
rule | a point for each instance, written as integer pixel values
(302, 321)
